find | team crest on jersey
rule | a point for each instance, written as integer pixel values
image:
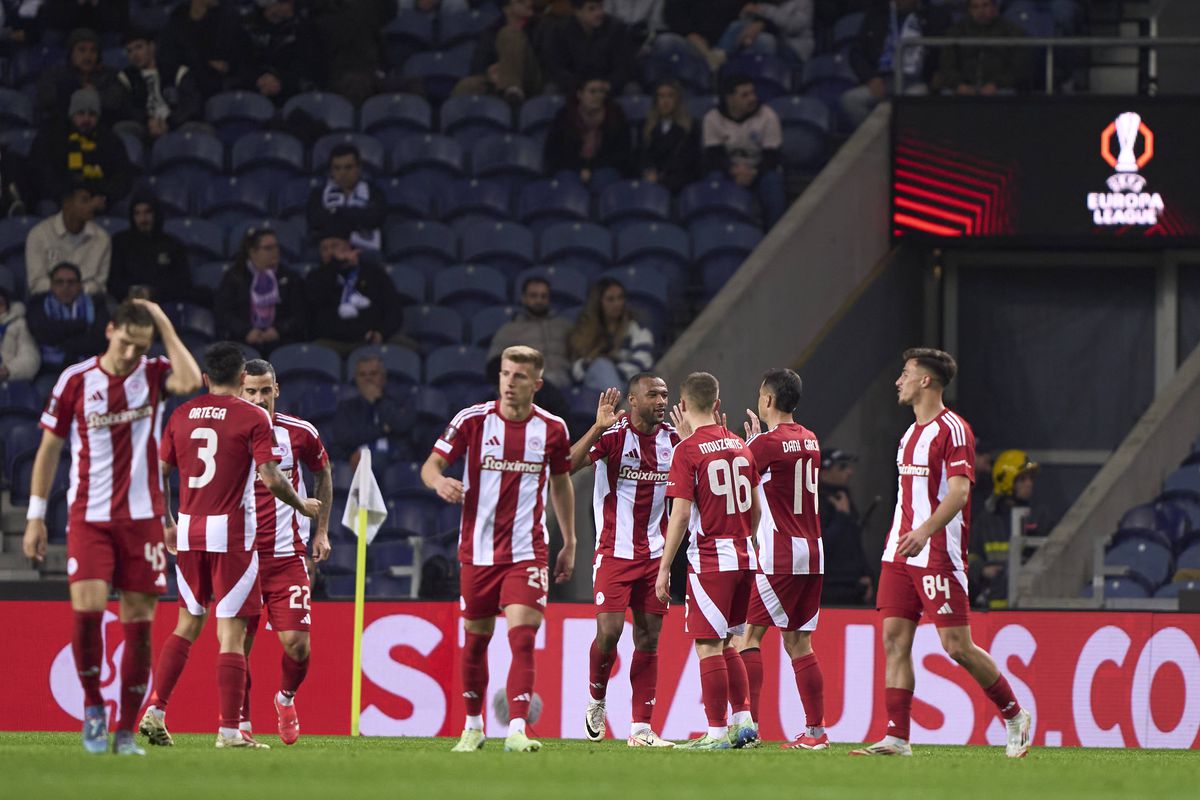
(136, 384)
(535, 444)
(665, 453)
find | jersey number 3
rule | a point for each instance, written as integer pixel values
(207, 455)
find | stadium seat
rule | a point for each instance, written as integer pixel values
(1127, 588)
(29, 62)
(406, 519)
(189, 318)
(1183, 482)
(700, 104)
(208, 274)
(410, 32)
(383, 585)
(307, 360)
(204, 240)
(268, 155)
(1144, 559)
(1034, 18)
(806, 125)
(290, 235)
(407, 199)
(18, 140)
(439, 70)
(546, 202)
(582, 245)
(460, 373)
(342, 561)
(339, 583)
(388, 116)
(174, 196)
(827, 77)
(234, 114)
(57, 513)
(471, 117)
(403, 365)
(486, 322)
(1189, 506)
(464, 202)
(22, 473)
(715, 201)
(719, 250)
(335, 111)
(428, 246)
(772, 76)
(433, 326)
(511, 158)
(433, 412)
(409, 282)
(187, 156)
(21, 439)
(568, 287)
(370, 150)
(466, 26)
(403, 480)
(317, 404)
(16, 109)
(112, 225)
(418, 156)
(1171, 590)
(227, 200)
(136, 153)
(469, 288)
(13, 233)
(291, 198)
(627, 202)
(645, 291)
(847, 28)
(503, 245)
(661, 246)
(635, 107)
(1189, 558)
(537, 113)
(684, 66)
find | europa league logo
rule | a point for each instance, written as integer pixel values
(1127, 131)
(1126, 128)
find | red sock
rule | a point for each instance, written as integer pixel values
(245, 714)
(475, 671)
(1002, 695)
(899, 708)
(643, 677)
(87, 644)
(292, 674)
(231, 687)
(600, 668)
(520, 671)
(739, 681)
(752, 658)
(171, 661)
(135, 672)
(811, 685)
(714, 688)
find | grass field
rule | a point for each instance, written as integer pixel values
(340, 768)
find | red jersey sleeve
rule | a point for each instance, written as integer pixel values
(453, 441)
(681, 480)
(558, 448)
(160, 370)
(166, 448)
(262, 439)
(960, 448)
(314, 454)
(60, 407)
(755, 475)
(606, 446)
(759, 449)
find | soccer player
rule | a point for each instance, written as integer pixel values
(280, 541)
(632, 455)
(787, 586)
(925, 559)
(514, 450)
(219, 441)
(711, 484)
(111, 406)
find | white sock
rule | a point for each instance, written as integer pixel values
(516, 726)
(474, 723)
(639, 727)
(718, 733)
(284, 700)
(894, 740)
(816, 731)
(229, 733)
(244, 726)
(741, 717)
(159, 713)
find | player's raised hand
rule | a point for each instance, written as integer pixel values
(320, 547)
(310, 507)
(170, 534)
(564, 565)
(680, 422)
(912, 543)
(450, 490)
(753, 425)
(662, 586)
(34, 543)
(606, 408)
(154, 308)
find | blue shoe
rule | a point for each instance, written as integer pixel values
(95, 729)
(125, 745)
(745, 735)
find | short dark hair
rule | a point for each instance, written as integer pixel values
(785, 386)
(730, 83)
(224, 363)
(260, 366)
(636, 379)
(73, 188)
(344, 149)
(131, 314)
(701, 389)
(67, 265)
(532, 279)
(939, 363)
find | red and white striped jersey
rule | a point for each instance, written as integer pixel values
(929, 455)
(505, 481)
(789, 531)
(217, 443)
(630, 497)
(715, 470)
(114, 423)
(282, 531)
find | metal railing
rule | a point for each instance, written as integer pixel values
(1050, 43)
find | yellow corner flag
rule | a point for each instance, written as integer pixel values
(365, 513)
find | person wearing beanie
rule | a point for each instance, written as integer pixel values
(82, 149)
(82, 69)
(159, 101)
(19, 356)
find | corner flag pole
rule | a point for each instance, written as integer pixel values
(360, 582)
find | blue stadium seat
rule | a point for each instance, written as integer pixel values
(268, 155)
(515, 159)
(636, 107)
(385, 586)
(13, 233)
(136, 153)
(406, 519)
(827, 77)
(772, 76)
(307, 360)
(204, 240)
(370, 151)
(847, 28)
(582, 245)
(537, 113)
(290, 235)
(686, 67)
(471, 117)
(1143, 559)
(1189, 558)
(173, 195)
(486, 322)
(226, 200)
(1035, 19)
(387, 116)
(1173, 589)
(1188, 505)
(700, 104)
(21, 439)
(403, 365)
(409, 282)
(403, 479)
(410, 32)
(468, 201)
(645, 291)
(189, 318)
(459, 372)
(439, 70)
(568, 286)
(57, 512)
(291, 198)
(469, 288)
(466, 26)
(1173, 521)
(1122, 588)
(806, 125)
(208, 274)
(546, 202)
(417, 156)
(29, 62)
(16, 109)
(22, 472)
(503, 245)
(18, 140)
(332, 109)
(317, 404)
(236, 113)
(407, 198)
(626, 202)
(1183, 482)
(341, 561)
(113, 225)
(719, 251)
(433, 326)
(715, 201)
(427, 246)
(186, 156)
(661, 246)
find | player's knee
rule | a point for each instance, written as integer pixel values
(606, 641)
(646, 641)
(958, 649)
(189, 627)
(297, 649)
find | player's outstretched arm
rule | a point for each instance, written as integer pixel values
(185, 372)
(681, 512)
(606, 417)
(562, 495)
(281, 487)
(449, 489)
(957, 494)
(45, 463)
(323, 490)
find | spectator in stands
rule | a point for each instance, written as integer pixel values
(643, 18)
(16, 183)
(67, 321)
(259, 300)
(702, 23)
(848, 579)
(348, 200)
(70, 235)
(83, 69)
(982, 70)
(435, 6)
(505, 61)
(590, 137)
(373, 417)
(981, 489)
(351, 300)
(145, 256)
(607, 344)
(588, 45)
(19, 356)
(350, 37)
(158, 101)
(991, 528)
(283, 43)
(670, 140)
(874, 53)
(110, 16)
(18, 25)
(206, 36)
(537, 326)
(783, 26)
(742, 139)
(81, 150)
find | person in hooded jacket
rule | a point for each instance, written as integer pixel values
(19, 356)
(146, 256)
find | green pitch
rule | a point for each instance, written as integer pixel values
(34, 765)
